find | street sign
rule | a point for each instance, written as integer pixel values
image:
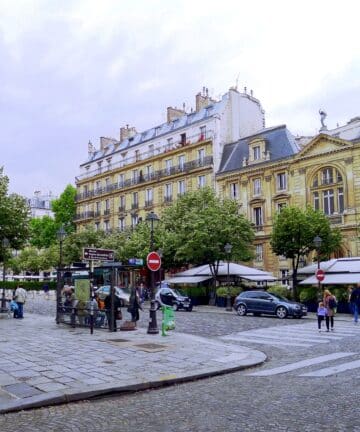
(136, 261)
(153, 261)
(320, 275)
(98, 254)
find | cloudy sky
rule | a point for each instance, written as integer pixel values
(72, 71)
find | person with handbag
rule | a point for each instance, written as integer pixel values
(134, 305)
(20, 298)
(117, 311)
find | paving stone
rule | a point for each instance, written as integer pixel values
(21, 390)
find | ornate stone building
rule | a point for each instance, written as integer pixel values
(271, 169)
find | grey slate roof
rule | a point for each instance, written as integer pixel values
(279, 142)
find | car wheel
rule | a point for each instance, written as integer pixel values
(189, 309)
(175, 307)
(241, 310)
(281, 312)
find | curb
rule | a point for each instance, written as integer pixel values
(57, 397)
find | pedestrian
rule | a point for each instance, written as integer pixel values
(116, 312)
(20, 298)
(355, 302)
(330, 305)
(321, 314)
(134, 305)
(46, 291)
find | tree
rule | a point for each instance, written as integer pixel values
(43, 231)
(293, 236)
(14, 217)
(196, 228)
(64, 208)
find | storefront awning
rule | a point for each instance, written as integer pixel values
(334, 279)
(187, 279)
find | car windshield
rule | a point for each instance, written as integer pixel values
(279, 297)
(179, 292)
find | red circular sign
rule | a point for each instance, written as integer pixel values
(320, 275)
(153, 261)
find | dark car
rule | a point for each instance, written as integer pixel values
(174, 298)
(262, 302)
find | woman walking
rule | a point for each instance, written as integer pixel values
(134, 305)
(330, 305)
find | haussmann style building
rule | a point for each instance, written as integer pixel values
(225, 144)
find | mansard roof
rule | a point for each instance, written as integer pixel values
(279, 144)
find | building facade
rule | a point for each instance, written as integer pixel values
(224, 144)
(272, 169)
(125, 179)
(40, 204)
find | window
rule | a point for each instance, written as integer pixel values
(148, 197)
(281, 181)
(86, 190)
(151, 150)
(201, 181)
(121, 224)
(149, 171)
(169, 143)
(280, 206)
(107, 226)
(97, 226)
(107, 204)
(332, 200)
(201, 155)
(122, 203)
(202, 133)
(181, 161)
(257, 186)
(168, 166)
(328, 202)
(134, 220)
(137, 155)
(98, 186)
(259, 252)
(135, 175)
(121, 180)
(183, 138)
(135, 198)
(257, 216)
(107, 184)
(168, 192)
(98, 206)
(234, 192)
(256, 153)
(181, 187)
(340, 200)
(157, 131)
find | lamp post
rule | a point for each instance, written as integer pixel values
(5, 243)
(317, 242)
(228, 248)
(152, 218)
(60, 235)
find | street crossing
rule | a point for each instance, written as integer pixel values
(298, 335)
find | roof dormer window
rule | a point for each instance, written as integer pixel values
(257, 151)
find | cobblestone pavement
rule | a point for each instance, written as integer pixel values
(240, 401)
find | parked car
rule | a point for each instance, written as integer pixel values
(262, 302)
(162, 284)
(122, 293)
(173, 297)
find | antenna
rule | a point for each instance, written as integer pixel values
(237, 81)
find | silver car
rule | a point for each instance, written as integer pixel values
(122, 293)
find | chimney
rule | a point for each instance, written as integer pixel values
(203, 99)
(126, 132)
(105, 141)
(174, 113)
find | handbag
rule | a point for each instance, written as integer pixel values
(118, 315)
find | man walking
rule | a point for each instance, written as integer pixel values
(20, 298)
(355, 302)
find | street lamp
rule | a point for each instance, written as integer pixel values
(228, 248)
(317, 242)
(152, 218)
(60, 235)
(4, 243)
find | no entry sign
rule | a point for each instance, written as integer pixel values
(320, 275)
(153, 261)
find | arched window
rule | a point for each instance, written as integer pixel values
(328, 191)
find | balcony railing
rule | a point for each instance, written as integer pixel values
(156, 175)
(122, 209)
(149, 203)
(84, 215)
(134, 206)
(106, 212)
(168, 199)
(194, 139)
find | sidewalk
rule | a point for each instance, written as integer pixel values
(42, 363)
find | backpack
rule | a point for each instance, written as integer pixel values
(332, 303)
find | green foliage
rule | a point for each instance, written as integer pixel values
(280, 290)
(28, 285)
(74, 243)
(223, 291)
(14, 218)
(195, 291)
(43, 232)
(198, 225)
(64, 209)
(309, 294)
(341, 293)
